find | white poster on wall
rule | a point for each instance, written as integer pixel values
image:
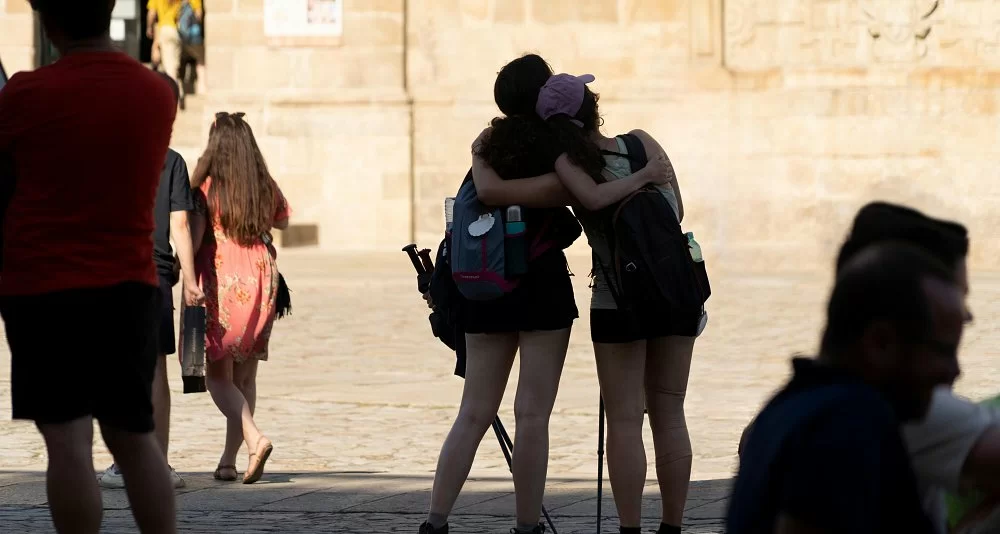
(303, 18)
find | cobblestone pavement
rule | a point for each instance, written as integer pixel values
(357, 385)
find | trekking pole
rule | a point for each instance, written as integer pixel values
(500, 432)
(505, 444)
(600, 462)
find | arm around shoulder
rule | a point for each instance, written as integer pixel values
(653, 149)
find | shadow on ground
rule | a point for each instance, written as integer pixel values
(356, 502)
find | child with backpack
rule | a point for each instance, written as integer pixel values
(649, 291)
(501, 313)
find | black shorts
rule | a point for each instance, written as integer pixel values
(543, 300)
(615, 326)
(84, 352)
(168, 336)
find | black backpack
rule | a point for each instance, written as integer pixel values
(652, 264)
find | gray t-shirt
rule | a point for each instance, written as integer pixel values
(940, 444)
(616, 168)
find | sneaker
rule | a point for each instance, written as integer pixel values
(426, 528)
(176, 479)
(111, 478)
(540, 529)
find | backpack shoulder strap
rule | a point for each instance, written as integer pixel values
(636, 151)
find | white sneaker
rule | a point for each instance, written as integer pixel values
(111, 478)
(176, 479)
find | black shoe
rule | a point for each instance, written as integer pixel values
(426, 528)
(540, 529)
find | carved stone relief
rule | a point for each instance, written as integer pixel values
(772, 33)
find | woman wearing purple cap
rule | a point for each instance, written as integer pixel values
(641, 347)
(535, 318)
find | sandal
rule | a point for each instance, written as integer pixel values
(258, 458)
(225, 478)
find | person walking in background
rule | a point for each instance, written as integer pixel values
(88, 136)
(173, 202)
(237, 204)
(826, 453)
(161, 26)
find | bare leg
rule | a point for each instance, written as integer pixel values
(240, 426)
(620, 369)
(543, 354)
(490, 357)
(245, 377)
(74, 498)
(667, 369)
(147, 479)
(161, 405)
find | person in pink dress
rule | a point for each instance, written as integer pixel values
(237, 204)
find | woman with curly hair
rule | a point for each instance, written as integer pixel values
(237, 204)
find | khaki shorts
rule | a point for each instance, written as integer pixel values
(170, 50)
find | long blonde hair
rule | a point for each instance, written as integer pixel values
(242, 193)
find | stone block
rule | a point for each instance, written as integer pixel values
(570, 11)
(373, 29)
(509, 12)
(475, 10)
(355, 67)
(220, 7)
(222, 76)
(376, 6)
(16, 30)
(236, 30)
(17, 7)
(643, 11)
(250, 7)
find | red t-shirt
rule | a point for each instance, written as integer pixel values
(88, 136)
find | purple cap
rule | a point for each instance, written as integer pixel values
(562, 95)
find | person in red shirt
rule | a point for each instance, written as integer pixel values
(87, 137)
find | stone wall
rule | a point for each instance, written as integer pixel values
(782, 117)
(333, 121)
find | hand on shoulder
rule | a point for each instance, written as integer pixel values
(481, 137)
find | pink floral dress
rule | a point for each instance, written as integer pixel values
(240, 285)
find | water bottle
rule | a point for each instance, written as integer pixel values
(694, 247)
(449, 213)
(515, 246)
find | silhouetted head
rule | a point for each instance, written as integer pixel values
(896, 317)
(947, 241)
(518, 82)
(69, 21)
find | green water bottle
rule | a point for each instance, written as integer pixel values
(694, 247)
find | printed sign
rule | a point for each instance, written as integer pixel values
(303, 19)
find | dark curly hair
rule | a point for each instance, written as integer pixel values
(575, 139)
(519, 144)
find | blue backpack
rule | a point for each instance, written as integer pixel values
(477, 258)
(188, 26)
